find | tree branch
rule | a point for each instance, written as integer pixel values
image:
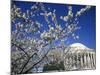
(36, 63)
(27, 62)
(20, 48)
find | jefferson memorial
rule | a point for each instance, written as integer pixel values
(79, 57)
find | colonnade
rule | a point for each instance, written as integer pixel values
(81, 60)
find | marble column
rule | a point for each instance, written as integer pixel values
(94, 56)
(92, 60)
(81, 58)
(85, 61)
(89, 60)
(77, 61)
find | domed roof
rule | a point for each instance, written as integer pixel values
(76, 47)
(80, 45)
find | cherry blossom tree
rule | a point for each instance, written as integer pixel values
(29, 45)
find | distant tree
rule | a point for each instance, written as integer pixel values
(53, 66)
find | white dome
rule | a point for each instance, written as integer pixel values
(78, 45)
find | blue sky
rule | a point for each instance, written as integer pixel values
(87, 21)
